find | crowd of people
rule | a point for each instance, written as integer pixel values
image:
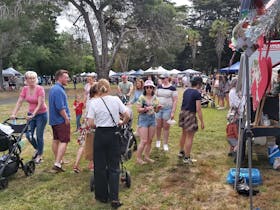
(98, 115)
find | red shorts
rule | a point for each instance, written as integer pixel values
(61, 132)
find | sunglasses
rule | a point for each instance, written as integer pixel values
(149, 87)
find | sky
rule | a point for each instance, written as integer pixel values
(64, 24)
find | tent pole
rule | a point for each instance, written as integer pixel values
(248, 130)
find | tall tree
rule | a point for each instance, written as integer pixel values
(219, 31)
(193, 39)
(10, 12)
(15, 24)
(109, 22)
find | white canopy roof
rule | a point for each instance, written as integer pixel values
(174, 71)
(10, 72)
(157, 70)
(191, 71)
(111, 72)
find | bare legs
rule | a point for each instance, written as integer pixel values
(146, 137)
(162, 125)
(186, 141)
(59, 149)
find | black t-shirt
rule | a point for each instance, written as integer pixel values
(190, 97)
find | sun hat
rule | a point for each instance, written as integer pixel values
(163, 76)
(149, 83)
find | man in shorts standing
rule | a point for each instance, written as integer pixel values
(125, 88)
(59, 118)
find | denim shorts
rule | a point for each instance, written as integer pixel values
(164, 113)
(146, 120)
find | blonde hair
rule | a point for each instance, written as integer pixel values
(103, 86)
(31, 74)
(141, 84)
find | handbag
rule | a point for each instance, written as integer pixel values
(119, 131)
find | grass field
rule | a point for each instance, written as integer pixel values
(165, 184)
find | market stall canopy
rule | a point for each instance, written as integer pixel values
(174, 72)
(231, 69)
(157, 70)
(84, 74)
(191, 71)
(111, 73)
(131, 72)
(138, 73)
(10, 72)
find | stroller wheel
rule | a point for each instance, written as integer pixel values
(92, 187)
(29, 168)
(127, 179)
(213, 104)
(3, 183)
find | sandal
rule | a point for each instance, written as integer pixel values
(149, 160)
(141, 162)
(76, 169)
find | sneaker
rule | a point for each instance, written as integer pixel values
(187, 160)
(57, 169)
(158, 144)
(181, 154)
(221, 108)
(38, 160)
(165, 147)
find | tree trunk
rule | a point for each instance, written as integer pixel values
(1, 75)
(219, 61)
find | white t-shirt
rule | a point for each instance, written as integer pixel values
(234, 100)
(100, 114)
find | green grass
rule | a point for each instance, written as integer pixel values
(166, 184)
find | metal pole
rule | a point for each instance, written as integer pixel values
(248, 130)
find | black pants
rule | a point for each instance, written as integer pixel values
(106, 164)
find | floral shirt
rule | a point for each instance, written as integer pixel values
(144, 103)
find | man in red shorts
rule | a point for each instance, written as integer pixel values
(59, 118)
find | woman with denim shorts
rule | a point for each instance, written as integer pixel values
(147, 105)
(168, 96)
(34, 95)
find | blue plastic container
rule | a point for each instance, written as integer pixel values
(273, 152)
(244, 172)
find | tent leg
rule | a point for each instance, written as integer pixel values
(248, 129)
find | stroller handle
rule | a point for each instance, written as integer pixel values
(18, 128)
(16, 118)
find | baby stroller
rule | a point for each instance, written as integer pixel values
(128, 146)
(206, 99)
(11, 161)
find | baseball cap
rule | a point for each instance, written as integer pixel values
(165, 75)
(124, 76)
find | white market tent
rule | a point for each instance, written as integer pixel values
(84, 74)
(157, 70)
(111, 73)
(191, 71)
(131, 72)
(174, 72)
(10, 72)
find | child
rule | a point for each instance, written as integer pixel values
(232, 136)
(191, 107)
(86, 138)
(78, 107)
